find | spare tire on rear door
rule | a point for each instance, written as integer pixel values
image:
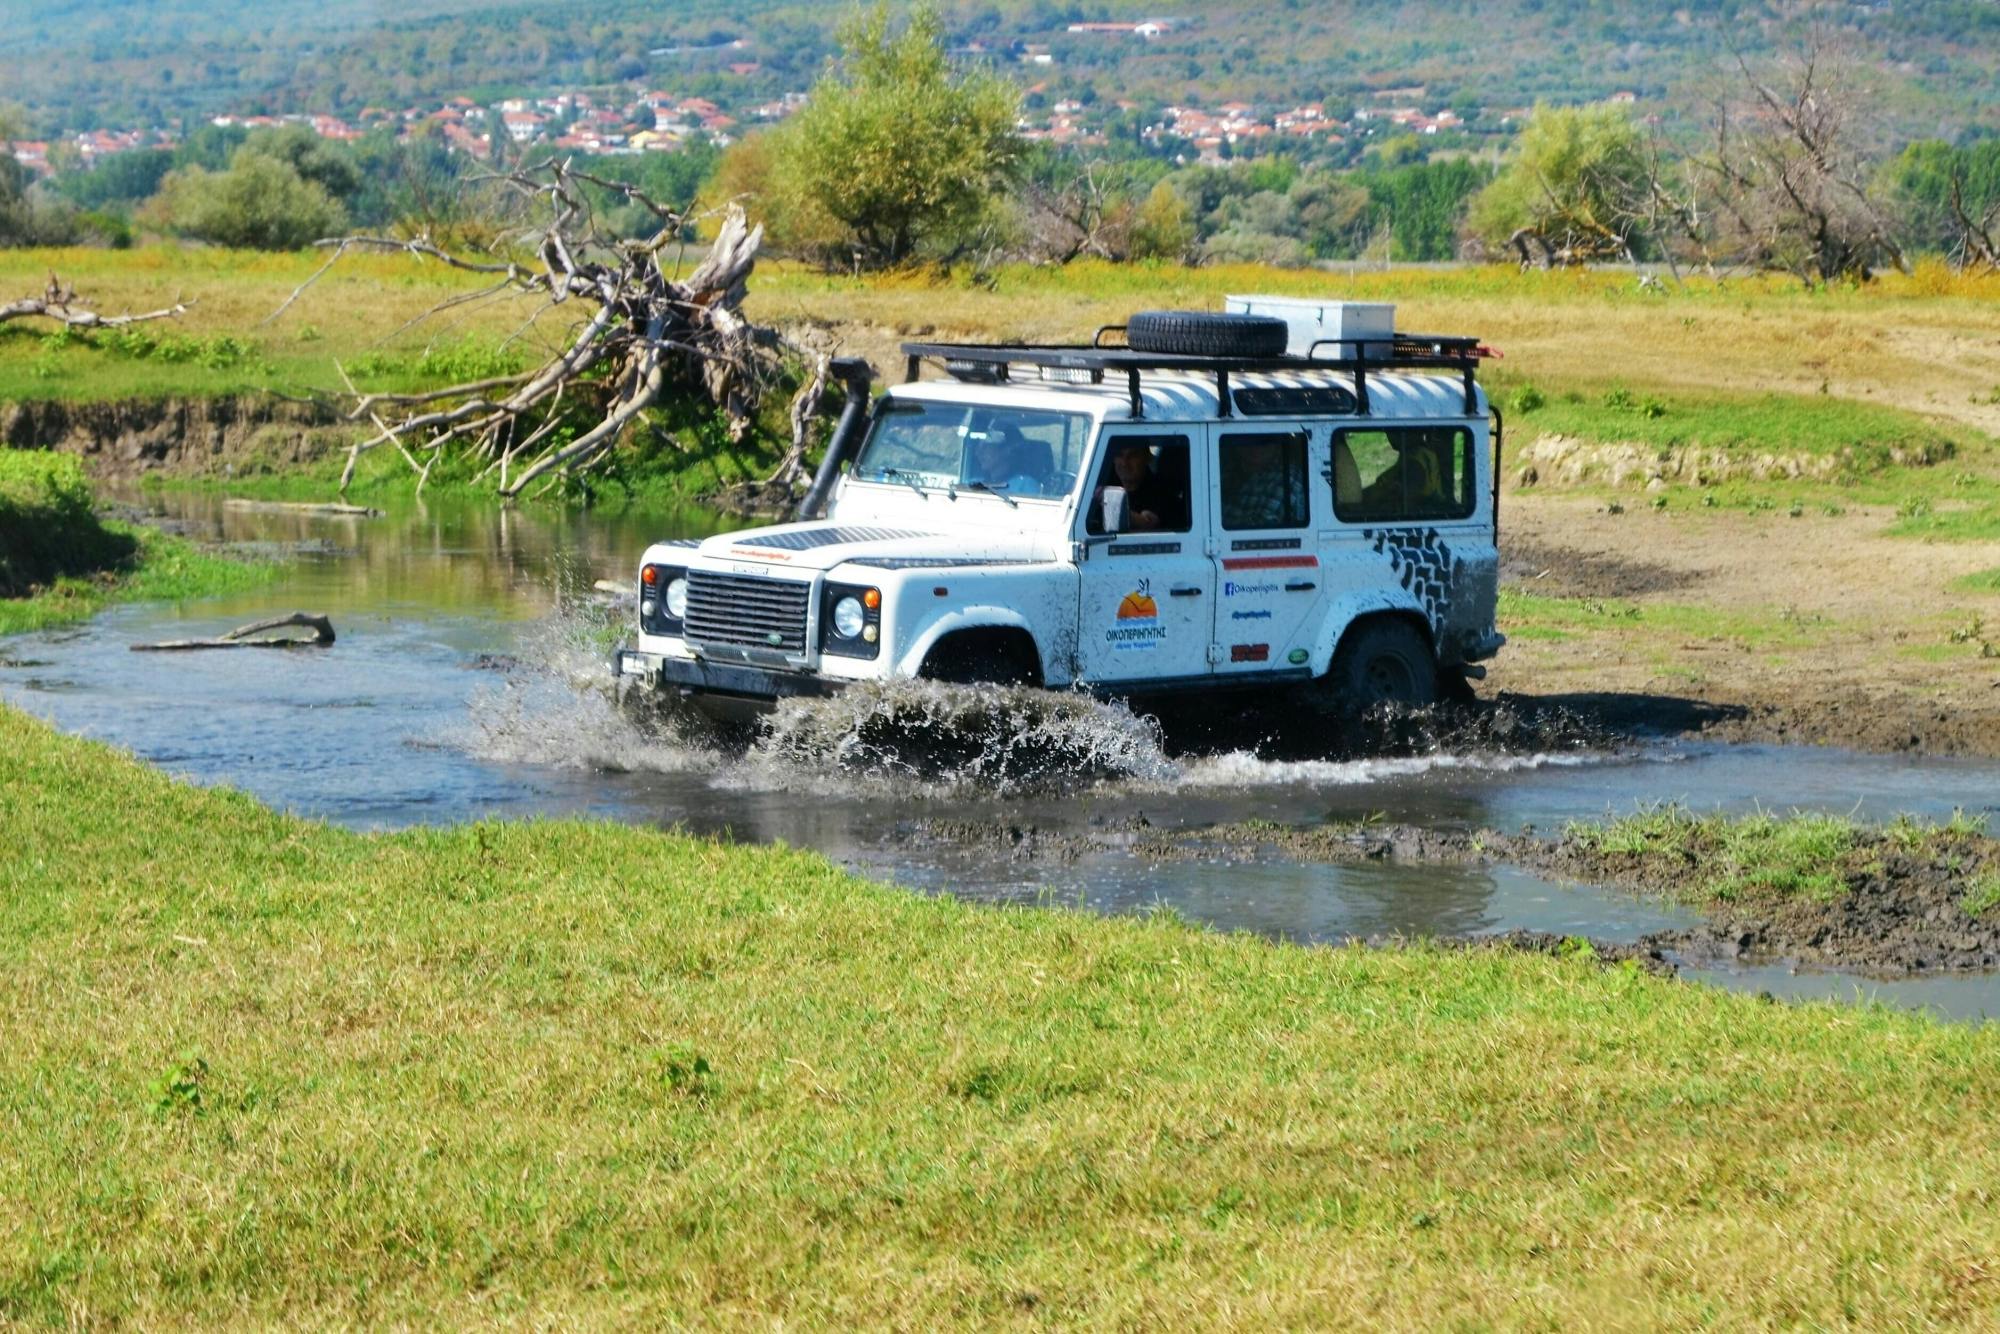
(1202, 333)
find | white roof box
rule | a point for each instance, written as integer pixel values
(1318, 321)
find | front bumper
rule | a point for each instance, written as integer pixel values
(692, 678)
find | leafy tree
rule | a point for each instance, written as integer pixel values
(1335, 215)
(117, 179)
(261, 202)
(1398, 150)
(322, 162)
(210, 146)
(674, 179)
(26, 217)
(1423, 204)
(1243, 246)
(1947, 199)
(1575, 191)
(898, 151)
(1163, 227)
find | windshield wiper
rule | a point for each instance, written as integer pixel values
(913, 480)
(992, 490)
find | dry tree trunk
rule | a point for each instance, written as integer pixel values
(58, 303)
(316, 622)
(805, 406)
(646, 334)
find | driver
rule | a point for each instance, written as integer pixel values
(1150, 504)
(1000, 458)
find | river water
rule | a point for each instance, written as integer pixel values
(460, 689)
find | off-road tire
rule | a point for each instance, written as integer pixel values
(1383, 662)
(1201, 333)
(978, 661)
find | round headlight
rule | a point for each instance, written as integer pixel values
(847, 617)
(677, 599)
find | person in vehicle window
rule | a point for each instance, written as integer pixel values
(1005, 459)
(1258, 490)
(1151, 503)
(1415, 486)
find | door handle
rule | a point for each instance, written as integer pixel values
(1306, 587)
(1184, 592)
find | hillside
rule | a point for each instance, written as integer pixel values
(81, 63)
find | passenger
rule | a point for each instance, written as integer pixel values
(1415, 486)
(1151, 504)
(1258, 491)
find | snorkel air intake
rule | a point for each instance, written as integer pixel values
(855, 377)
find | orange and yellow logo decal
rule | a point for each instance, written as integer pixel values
(1138, 605)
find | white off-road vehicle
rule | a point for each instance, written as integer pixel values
(1288, 492)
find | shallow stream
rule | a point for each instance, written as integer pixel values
(458, 689)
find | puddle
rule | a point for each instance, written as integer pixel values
(453, 693)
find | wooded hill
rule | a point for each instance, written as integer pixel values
(79, 63)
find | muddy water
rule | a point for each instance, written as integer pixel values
(458, 689)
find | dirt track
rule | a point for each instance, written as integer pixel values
(1819, 629)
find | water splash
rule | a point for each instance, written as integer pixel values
(554, 703)
(957, 737)
(1245, 769)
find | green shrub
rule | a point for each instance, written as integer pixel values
(48, 527)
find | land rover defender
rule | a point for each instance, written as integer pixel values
(1286, 493)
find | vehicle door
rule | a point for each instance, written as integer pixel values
(1271, 598)
(1145, 594)
(1410, 512)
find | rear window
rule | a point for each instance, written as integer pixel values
(1403, 474)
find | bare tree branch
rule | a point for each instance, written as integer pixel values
(58, 303)
(647, 335)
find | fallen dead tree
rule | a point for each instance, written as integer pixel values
(303, 507)
(240, 637)
(59, 303)
(640, 334)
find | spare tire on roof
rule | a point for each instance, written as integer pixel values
(1204, 333)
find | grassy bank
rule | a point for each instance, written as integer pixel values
(1894, 383)
(60, 562)
(652, 471)
(1705, 857)
(259, 1069)
(1915, 344)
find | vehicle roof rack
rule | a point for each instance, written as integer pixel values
(988, 363)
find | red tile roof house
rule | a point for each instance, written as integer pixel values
(30, 153)
(522, 125)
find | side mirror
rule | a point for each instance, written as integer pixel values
(1114, 510)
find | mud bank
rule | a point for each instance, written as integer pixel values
(1893, 903)
(189, 437)
(1800, 712)
(1563, 461)
(1827, 629)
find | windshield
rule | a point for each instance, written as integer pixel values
(1014, 451)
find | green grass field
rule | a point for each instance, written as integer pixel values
(258, 1070)
(1538, 616)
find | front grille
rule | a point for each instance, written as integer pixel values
(746, 609)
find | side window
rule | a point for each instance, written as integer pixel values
(1153, 469)
(1403, 473)
(1263, 480)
